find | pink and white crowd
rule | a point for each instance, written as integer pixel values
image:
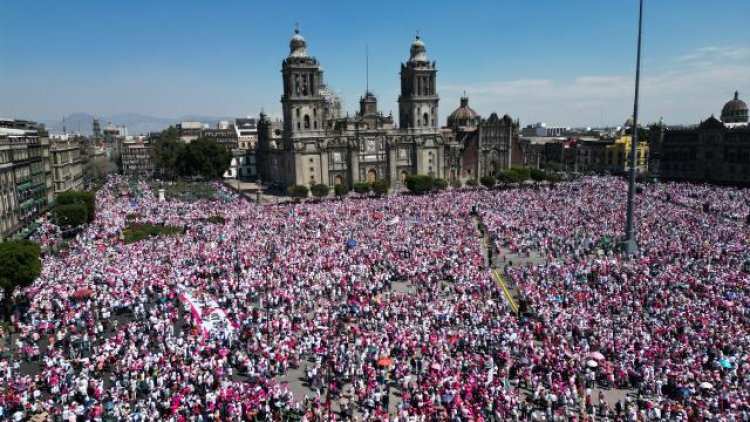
(670, 322)
(387, 310)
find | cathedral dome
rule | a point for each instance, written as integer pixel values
(463, 116)
(418, 51)
(734, 111)
(298, 45)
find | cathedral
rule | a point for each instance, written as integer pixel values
(315, 144)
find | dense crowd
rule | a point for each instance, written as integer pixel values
(388, 310)
(670, 322)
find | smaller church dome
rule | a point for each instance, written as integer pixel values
(734, 111)
(463, 116)
(418, 51)
(297, 45)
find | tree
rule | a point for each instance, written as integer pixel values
(320, 190)
(168, 154)
(419, 183)
(380, 187)
(341, 189)
(21, 266)
(70, 215)
(207, 158)
(487, 181)
(456, 183)
(298, 191)
(537, 175)
(361, 187)
(84, 198)
(439, 184)
(472, 183)
(522, 174)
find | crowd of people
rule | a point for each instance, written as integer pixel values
(670, 322)
(388, 310)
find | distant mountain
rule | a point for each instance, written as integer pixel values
(136, 123)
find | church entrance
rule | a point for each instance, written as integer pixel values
(403, 176)
(493, 168)
(338, 180)
(372, 175)
(453, 175)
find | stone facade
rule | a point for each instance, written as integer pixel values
(315, 144)
(136, 158)
(482, 147)
(67, 168)
(25, 180)
(710, 152)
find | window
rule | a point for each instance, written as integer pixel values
(311, 161)
(307, 121)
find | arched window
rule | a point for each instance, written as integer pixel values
(425, 119)
(307, 121)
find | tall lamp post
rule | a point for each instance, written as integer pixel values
(631, 246)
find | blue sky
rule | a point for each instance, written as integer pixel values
(566, 62)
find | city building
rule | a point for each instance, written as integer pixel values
(315, 144)
(96, 129)
(190, 131)
(247, 133)
(25, 182)
(67, 164)
(590, 154)
(541, 130)
(112, 133)
(482, 146)
(136, 158)
(714, 151)
(617, 159)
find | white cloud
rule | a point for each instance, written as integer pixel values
(682, 89)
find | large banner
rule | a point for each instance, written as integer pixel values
(208, 315)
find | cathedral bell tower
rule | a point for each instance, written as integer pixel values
(303, 103)
(418, 102)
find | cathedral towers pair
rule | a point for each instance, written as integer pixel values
(307, 108)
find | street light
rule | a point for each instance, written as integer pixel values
(630, 244)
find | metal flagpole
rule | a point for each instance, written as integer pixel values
(631, 246)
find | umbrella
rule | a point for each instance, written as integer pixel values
(109, 405)
(446, 398)
(101, 248)
(81, 293)
(377, 215)
(706, 385)
(351, 243)
(596, 355)
(384, 361)
(592, 364)
(343, 401)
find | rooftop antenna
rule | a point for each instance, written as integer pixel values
(367, 70)
(296, 27)
(64, 128)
